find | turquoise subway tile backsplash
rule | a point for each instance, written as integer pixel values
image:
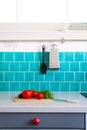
(64, 66)
(4, 66)
(83, 66)
(29, 76)
(14, 86)
(84, 86)
(19, 76)
(29, 56)
(14, 66)
(4, 86)
(74, 66)
(44, 85)
(69, 76)
(69, 56)
(79, 76)
(9, 56)
(75, 86)
(24, 66)
(24, 85)
(19, 56)
(79, 56)
(1, 76)
(64, 86)
(2, 56)
(59, 76)
(9, 76)
(21, 70)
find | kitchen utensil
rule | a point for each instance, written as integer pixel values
(66, 100)
(22, 100)
(43, 66)
(54, 57)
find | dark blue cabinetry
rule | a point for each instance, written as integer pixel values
(47, 120)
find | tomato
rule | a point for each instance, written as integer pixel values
(27, 94)
(40, 95)
(34, 94)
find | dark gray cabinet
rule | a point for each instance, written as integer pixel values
(47, 120)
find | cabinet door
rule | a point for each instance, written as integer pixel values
(50, 11)
(43, 129)
(7, 11)
(47, 121)
(77, 10)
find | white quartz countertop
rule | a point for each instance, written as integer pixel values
(7, 104)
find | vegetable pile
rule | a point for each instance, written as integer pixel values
(28, 94)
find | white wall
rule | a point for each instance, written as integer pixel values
(36, 46)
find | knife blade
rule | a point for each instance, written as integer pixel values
(66, 100)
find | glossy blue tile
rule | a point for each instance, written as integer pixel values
(29, 76)
(34, 66)
(54, 86)
(19, 56)
(83, 66)
(14, 66)
(46, 56)
(49, 76)
(74, 86)
(64, 86)
(24, 86)
(79, 56)
(38, 56)
(44, 86)
(85, 56)
(79, 76)
(2, 56)
(14, 86)
(24, 66)
(34, 86)
(29, 56)
(59, 76)
(64, 66)
(19, 76)
(4, 66)
(1, 76)
(74, 66)
(85, 76)
(9, 56)
(39, 77)
(22, 70)
(84, 87)
(4, 86)
(69, 56)
(69, 76)
(61, 56)
(9, 76)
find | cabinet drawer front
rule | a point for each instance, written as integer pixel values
(47, 120)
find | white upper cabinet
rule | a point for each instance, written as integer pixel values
(42, 11)
(7, 11)
(77, 11)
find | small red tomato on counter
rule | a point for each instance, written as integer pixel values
(27, 94)
(34, 94)
(40, 95)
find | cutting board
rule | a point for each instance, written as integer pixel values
(21, 100)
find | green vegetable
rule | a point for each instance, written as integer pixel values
(47, 94)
